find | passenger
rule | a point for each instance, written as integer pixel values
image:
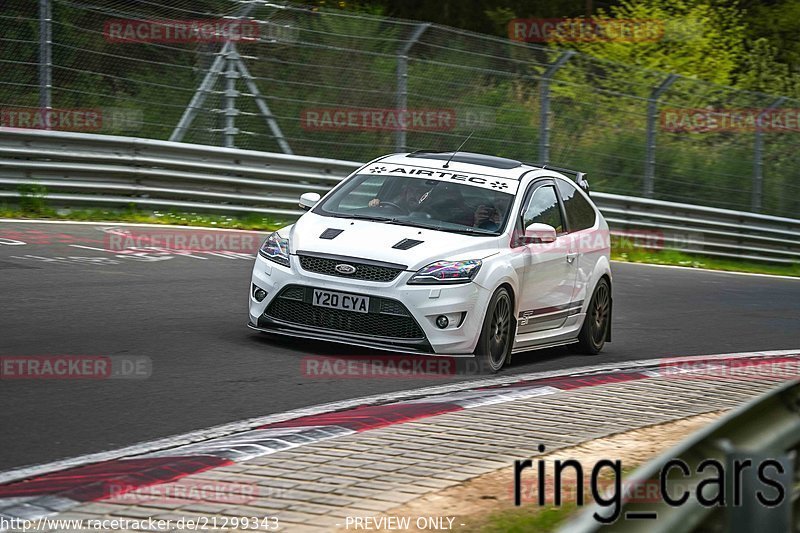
(446, 203)
(490, 216)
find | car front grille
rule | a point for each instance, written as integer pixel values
(392, 321)
(365, 272)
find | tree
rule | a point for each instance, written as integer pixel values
(700, 39)
(761, 71)
(778, 21)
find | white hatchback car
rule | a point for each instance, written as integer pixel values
(441, 253)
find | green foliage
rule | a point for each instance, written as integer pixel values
(702, 39)
(762, 71)
(33, 198)
(777, 21)
(347, 61)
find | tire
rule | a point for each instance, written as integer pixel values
(493, 350)
(596, 325)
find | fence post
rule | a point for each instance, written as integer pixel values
(230, 111)
(45, 56)
(199, 96)
(261, 103)
(402, 83)
(544, 105)
(758, 163)
(652, 115)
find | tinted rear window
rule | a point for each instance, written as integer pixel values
(580, 213)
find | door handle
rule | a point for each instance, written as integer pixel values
(571, 257)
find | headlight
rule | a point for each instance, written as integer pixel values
(444, 272)
(275, 248)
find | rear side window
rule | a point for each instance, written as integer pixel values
(580, 213)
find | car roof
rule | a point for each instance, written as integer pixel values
(469, 158)
(469, 162)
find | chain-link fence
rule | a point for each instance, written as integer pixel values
(352, 86)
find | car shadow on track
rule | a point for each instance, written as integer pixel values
(328, 359)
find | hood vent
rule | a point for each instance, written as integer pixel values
(405, 244)
(330, 233)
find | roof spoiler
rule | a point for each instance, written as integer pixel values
(580, 177)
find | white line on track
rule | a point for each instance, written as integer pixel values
(146, 225)
(247, 424)
(132, 224)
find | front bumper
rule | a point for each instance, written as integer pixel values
(292, 330)
(464, 306)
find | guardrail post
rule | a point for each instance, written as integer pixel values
(402, 83)
(652, 115)
(544, 105)
(758, 163)
(230, 111)
(45, 55)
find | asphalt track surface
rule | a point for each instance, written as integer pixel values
(65, 293)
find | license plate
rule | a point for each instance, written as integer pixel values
(338, 300)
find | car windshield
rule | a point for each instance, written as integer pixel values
(428, 203)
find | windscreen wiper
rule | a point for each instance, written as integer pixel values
(439, 227)
(364, 217)
(412, 224)
(468, 231)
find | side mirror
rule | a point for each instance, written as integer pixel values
(540, 234)
(308, 200)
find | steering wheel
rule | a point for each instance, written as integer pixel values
(393, 205)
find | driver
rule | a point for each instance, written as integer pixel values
(408, 198)
(445, 202)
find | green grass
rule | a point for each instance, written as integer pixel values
(531, 518)
(131, 214)
(669, 257)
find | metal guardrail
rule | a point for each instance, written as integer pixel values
(78, 168)
(764, 429)
(81, 168)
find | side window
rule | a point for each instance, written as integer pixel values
(543, 208)
(580, 213)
